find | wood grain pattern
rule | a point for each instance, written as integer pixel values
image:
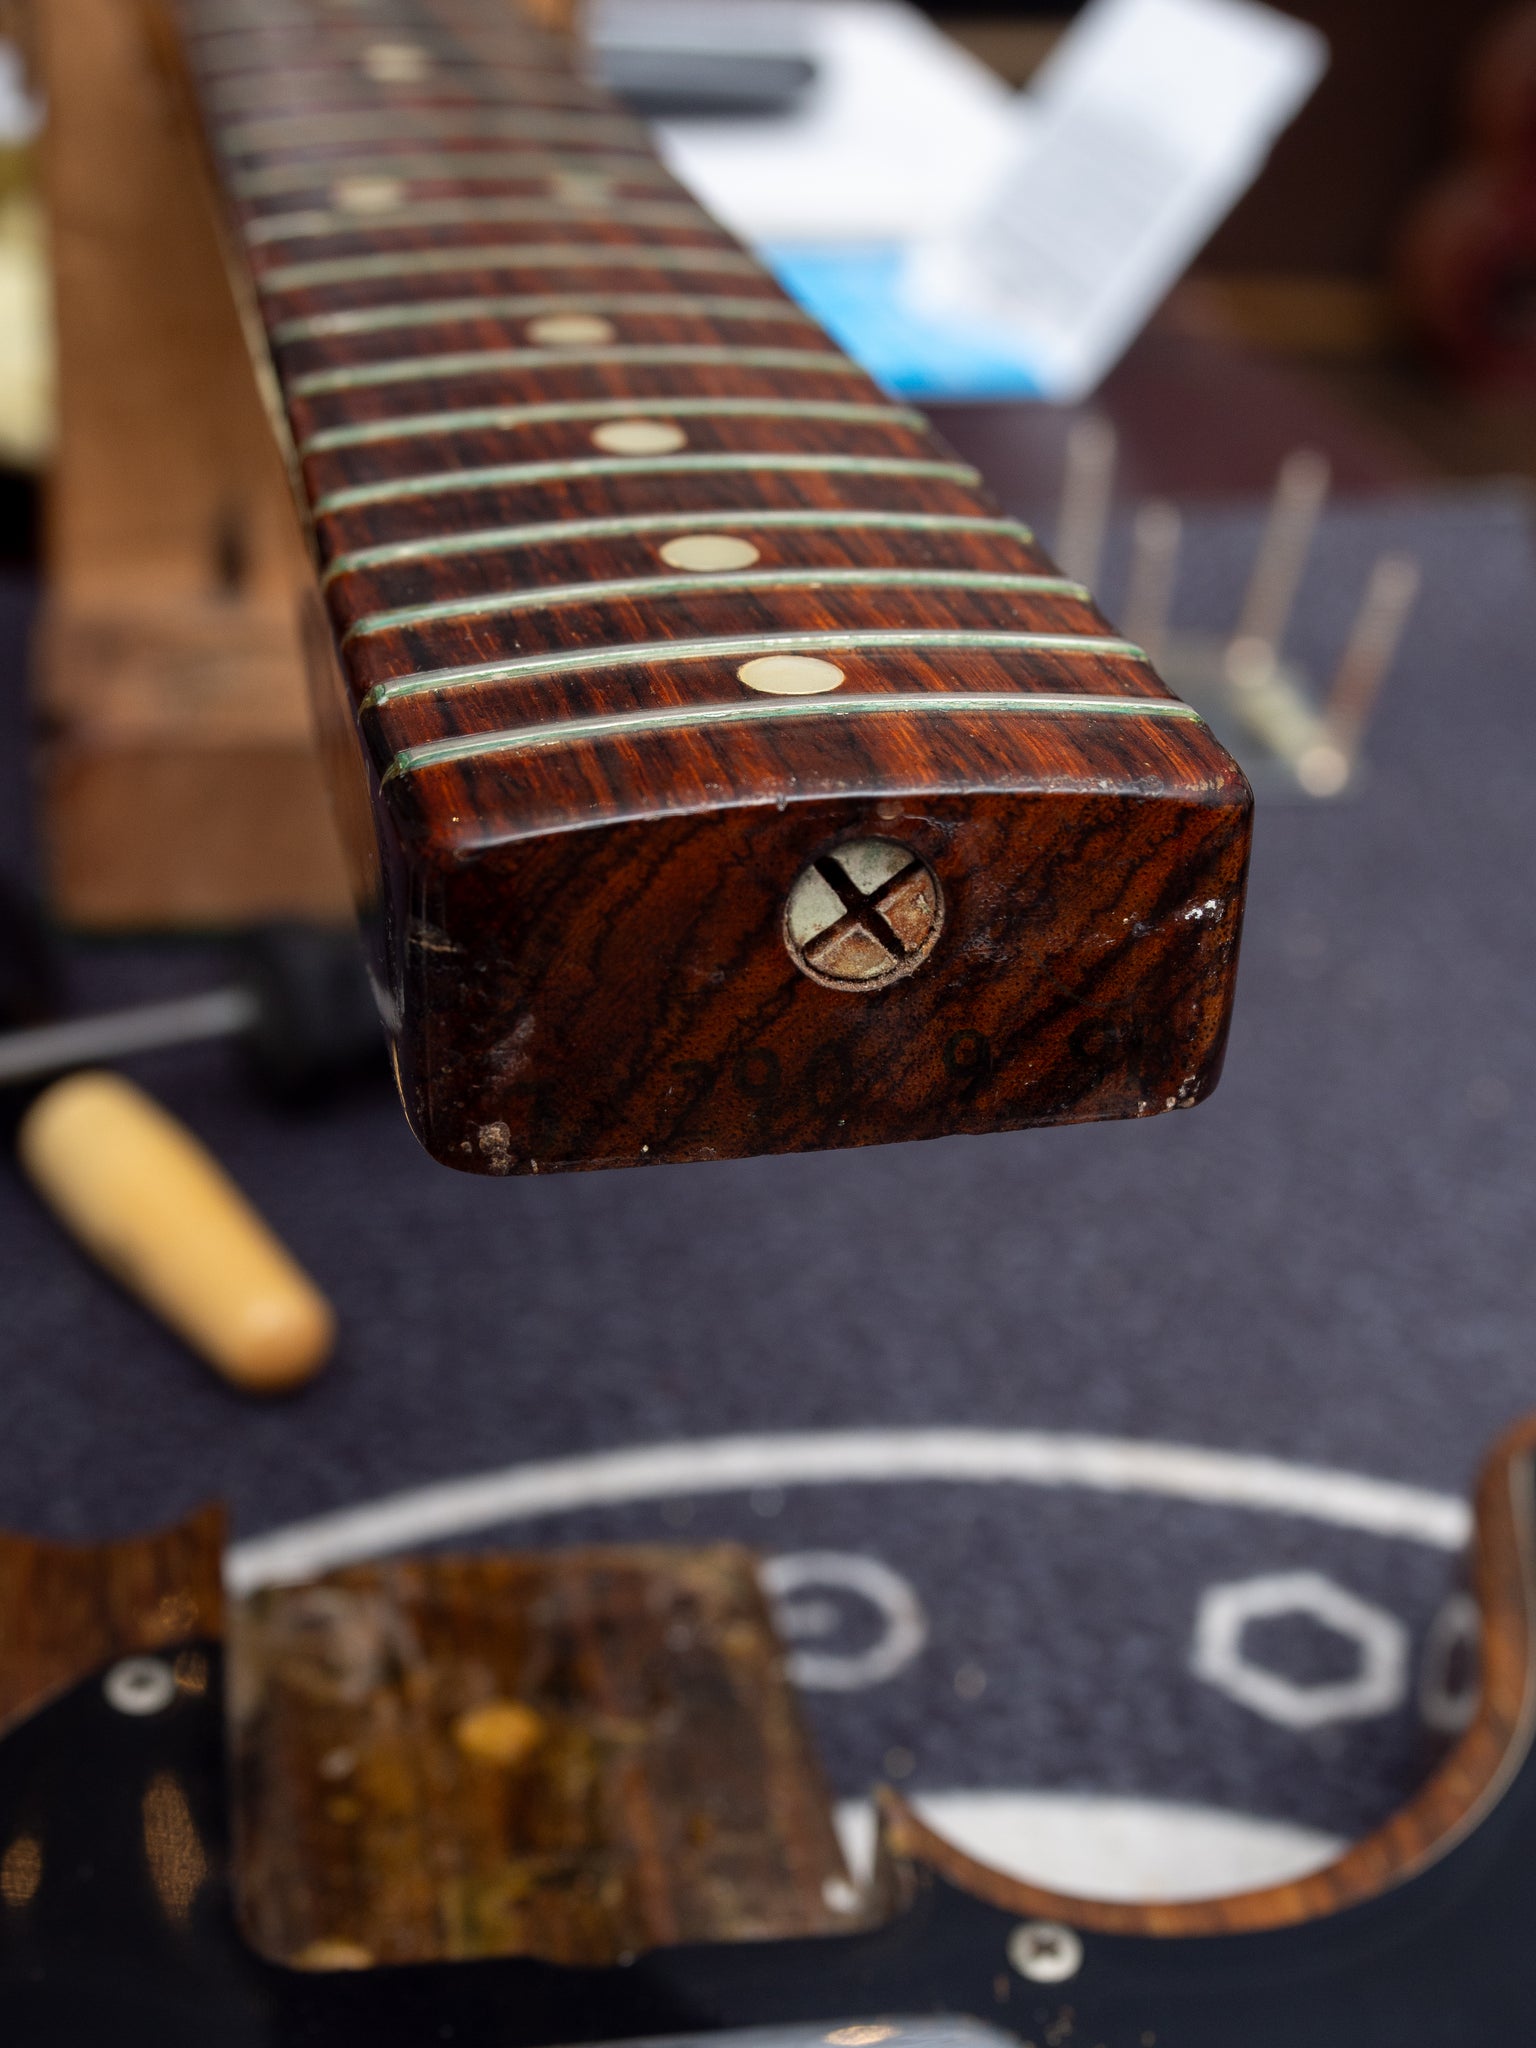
(1468, 1783)
(67, 1609)
(512, 360)
(676, 1798)
(178, 778)
(577, 1756)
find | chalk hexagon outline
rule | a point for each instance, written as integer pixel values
(1379, 1685)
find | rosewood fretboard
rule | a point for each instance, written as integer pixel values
(722, 771)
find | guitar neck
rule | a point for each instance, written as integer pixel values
(721, 769)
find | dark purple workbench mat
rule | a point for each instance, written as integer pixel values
(1333, 1263)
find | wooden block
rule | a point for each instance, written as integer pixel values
(179, 784)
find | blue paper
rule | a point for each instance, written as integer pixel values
(855, 292)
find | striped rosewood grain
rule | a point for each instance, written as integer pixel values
(68, 1609)
(516, 368)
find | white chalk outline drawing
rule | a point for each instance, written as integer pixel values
(903, 1630)
(1380, 1681)
(851, 1457)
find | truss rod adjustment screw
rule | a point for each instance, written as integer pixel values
(864, 914)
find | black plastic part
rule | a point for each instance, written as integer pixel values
(662, 84)
(30, 978)
(132, 1938)
(31, 983)
(317, 1022)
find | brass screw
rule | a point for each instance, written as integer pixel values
(864, 914)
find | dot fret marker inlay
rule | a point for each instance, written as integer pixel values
(572, 190)
(396, 63)
(365, 194)
(706, 552)
(638, 437)
(570, 330)
(790, 675)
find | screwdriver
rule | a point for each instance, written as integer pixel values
(136, 1189)
(300, 1003)
(152, 1204)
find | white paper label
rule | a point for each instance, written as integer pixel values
(1143, 128)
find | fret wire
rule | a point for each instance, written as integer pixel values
(905, 703)
(446, 312)
(514, 475)
(734, 647)
(389, 124)
(318, 224)
(294, 277)
(321, 225)
(565, 532)
(431, 94)
(329, 56)
(703, 584)
(493, 418)
(262, 25)
(262, 89)
(262, 18)
(212, 22)
(414, 369)
(444, 165)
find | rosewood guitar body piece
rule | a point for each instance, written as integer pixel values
(721, 771)
(117, 1913)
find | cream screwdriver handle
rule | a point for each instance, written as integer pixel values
(152, 1204)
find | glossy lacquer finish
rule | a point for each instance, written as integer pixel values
(522, 378)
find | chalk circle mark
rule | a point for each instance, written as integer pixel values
(798, 1584)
